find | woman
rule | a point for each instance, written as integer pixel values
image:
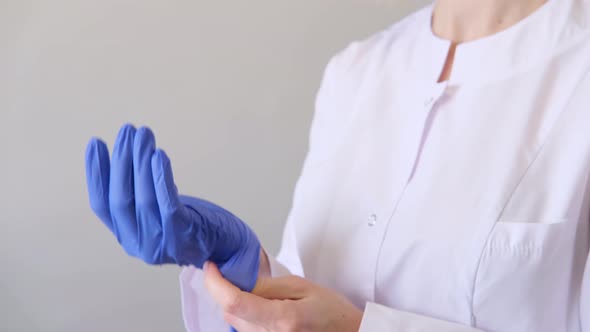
(445, 188)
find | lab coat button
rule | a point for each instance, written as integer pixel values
(373, 220)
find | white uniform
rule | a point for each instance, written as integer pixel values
(459, 206)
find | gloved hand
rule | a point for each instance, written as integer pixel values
(135, 197)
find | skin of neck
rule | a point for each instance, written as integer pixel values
(466, 20)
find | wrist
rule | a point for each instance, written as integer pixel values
(356, 321)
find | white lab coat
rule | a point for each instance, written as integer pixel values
(459, 206)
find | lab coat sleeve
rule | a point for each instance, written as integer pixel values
(287, 261)
(326, 127)
(199, 311)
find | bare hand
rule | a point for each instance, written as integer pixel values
(282, 304)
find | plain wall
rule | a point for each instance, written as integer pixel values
(227, 86)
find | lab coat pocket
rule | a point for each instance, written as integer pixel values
(526, 239)
(522, 268)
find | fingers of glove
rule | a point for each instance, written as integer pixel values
(146, 204)
(121, 191)
(177, 226)
(166, 192)
(97, 179)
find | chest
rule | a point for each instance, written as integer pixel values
(431, 189)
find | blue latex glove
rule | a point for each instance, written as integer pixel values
(135, 197)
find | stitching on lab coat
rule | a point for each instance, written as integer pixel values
(520, 250)
(540, 221)
(501, 212)
(588, 217)
(426, 129)
(384, 236)
(584, 204)
(544, 140)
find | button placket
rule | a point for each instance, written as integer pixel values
(435, 94)
(425, 123)
(428, 102)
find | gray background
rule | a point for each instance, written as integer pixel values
(227, 86)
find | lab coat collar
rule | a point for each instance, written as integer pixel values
(538, 37)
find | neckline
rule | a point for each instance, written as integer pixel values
(536, 15)
(533, 39)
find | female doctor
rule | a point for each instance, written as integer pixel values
(445, 188)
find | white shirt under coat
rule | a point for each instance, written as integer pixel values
(455, 206)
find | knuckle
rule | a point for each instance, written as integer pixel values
(98, 207)
(290, 318)
(228, 318)
(173, 247)
(122, 207)
(166, 215)
(146, 203)
(124, 213)
(233, 305)
(151, 258)
(149, 251)
(131, 251)
(155, 252)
